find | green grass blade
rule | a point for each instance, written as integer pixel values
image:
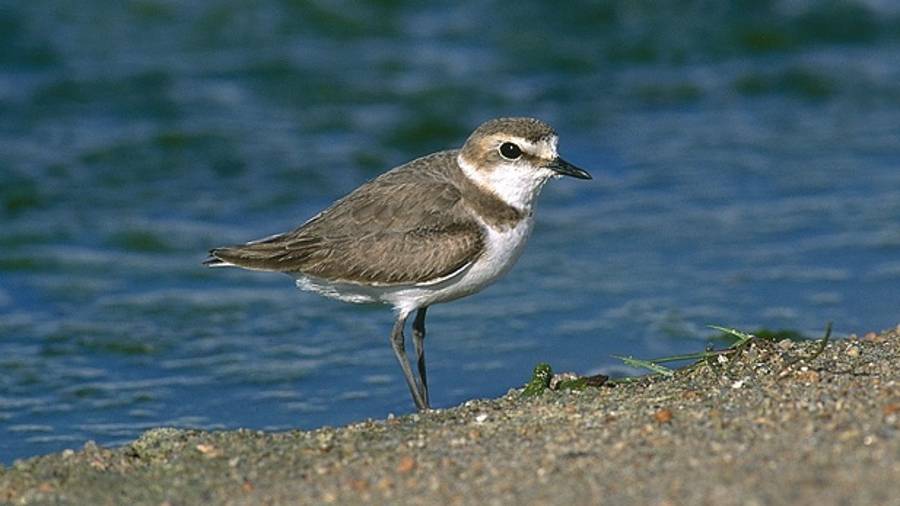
(741, 336)
(700, 355)
(646, 364)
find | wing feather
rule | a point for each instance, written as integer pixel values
(401, 228)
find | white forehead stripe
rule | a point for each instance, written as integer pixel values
(545, 148)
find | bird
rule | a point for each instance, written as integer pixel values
(437, 228)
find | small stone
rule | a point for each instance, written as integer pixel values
(853, 351)
(664, 415)
(481, 417)
(326, 442)
(208, 450)
(407, 464)
(808, 376)
(785, 344)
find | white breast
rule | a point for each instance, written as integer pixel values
(502, 249)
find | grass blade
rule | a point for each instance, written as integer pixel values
(646, 364)
(700, 355)
(741, 336)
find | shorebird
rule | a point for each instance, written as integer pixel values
(432, 230)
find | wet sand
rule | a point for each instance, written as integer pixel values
(780, 424)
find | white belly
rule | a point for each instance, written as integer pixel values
(502, 249)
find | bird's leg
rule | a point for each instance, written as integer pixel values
(418, 328)
(400, 353)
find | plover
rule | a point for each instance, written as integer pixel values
(432, 230)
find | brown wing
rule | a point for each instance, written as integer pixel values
(397, 229)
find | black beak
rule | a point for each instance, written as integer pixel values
(565, 168)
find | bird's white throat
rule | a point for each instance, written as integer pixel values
(516, 183)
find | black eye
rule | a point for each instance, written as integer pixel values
(510, 151)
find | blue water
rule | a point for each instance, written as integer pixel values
(747, 173)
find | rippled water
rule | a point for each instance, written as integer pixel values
(745, 156)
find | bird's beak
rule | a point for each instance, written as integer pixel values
(565, 168)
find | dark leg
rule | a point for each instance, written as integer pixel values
(400, 353)
(418, 328)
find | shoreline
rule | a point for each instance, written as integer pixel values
(773, 426)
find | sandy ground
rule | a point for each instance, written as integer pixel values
(774, 426)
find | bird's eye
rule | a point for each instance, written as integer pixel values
(510, 151)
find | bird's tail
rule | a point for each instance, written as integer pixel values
(277, 253)
(214, 261)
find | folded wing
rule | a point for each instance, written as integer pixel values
(387, 232)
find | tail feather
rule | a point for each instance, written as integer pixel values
(214, 261)
(270, 254)
(230, 256)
